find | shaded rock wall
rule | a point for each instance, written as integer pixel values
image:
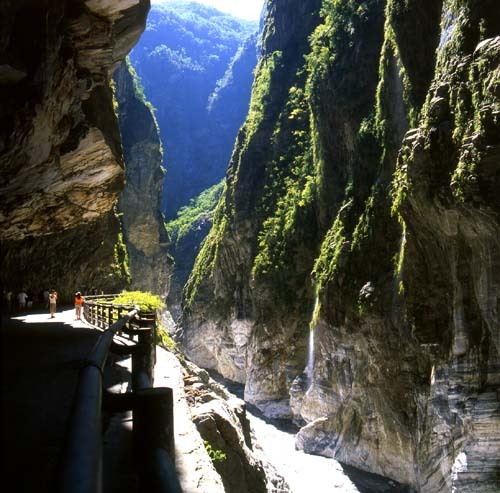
(90, 256)
(140, 202)
(360, 203)
(60, 151)
(125, 248)
(115, 247)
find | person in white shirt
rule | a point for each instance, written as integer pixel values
(21, 300)
(52, 302)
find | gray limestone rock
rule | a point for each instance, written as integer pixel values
(60, 152)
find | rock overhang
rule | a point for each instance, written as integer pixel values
(60, 148)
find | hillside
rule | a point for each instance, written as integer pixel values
(188, 58)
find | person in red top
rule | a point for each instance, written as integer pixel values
(79, 300)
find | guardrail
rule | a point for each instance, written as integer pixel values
(152, 408)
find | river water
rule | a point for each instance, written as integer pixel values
(306, 473)
(303, 472)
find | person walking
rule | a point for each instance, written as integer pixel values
(79, 301)
(21, 300)
(52, 302)
(8, 301)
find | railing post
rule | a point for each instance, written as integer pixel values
(143, 361)
(119, 311)
(154, 439)
(101, 317)
(110, 315)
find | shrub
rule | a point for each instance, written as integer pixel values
(145, 300)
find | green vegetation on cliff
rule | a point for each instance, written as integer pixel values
(364, 179)
(187, 217)
(187, 233)
(120, 266)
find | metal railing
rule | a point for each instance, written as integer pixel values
(152, 408)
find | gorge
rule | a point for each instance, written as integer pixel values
(364, 176)
(350, 281)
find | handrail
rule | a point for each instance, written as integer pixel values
(100, 351)
(95, 296)
(152, 407)
(82, 472)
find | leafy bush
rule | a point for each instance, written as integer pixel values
(204, 203)
(145, 300)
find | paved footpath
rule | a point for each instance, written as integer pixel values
(41, 358)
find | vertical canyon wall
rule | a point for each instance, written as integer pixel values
(61, 152)
(350, 279)
(143, 225)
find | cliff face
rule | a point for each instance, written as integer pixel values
(59, 141)
(361, 203)
(90, 256)
(126, 247)
(115, 247)
(144, 231)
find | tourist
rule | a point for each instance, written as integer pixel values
(52, 302)
(8, 301)
(21, 300)
(79, 300)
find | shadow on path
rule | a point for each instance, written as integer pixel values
(41, 358)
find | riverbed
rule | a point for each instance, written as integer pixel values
(306, 473)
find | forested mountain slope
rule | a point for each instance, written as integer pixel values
(196, 65)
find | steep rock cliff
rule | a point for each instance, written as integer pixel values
(144, 230)
(124, 248)
(350, 278)
(59, 142)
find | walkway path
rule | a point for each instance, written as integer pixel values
(41, 358)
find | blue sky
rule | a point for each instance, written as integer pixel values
(245, 9)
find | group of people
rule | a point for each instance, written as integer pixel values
(79, 301)
(25, 299)
(47, 299)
